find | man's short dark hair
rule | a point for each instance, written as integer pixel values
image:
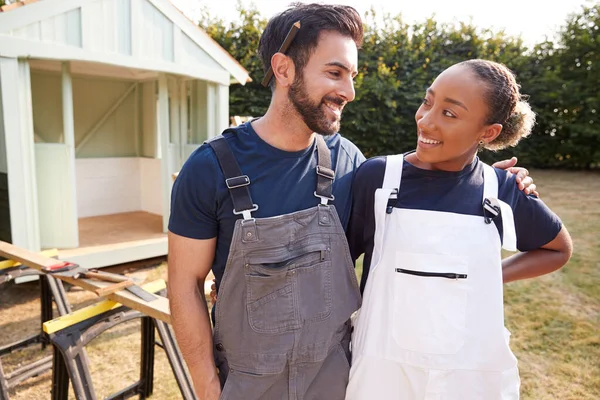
(315, 19)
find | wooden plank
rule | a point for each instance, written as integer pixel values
(82, 314)
(102, 256)
(158, 308)
(11, 263)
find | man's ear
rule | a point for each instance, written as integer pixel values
(283, 69)
(491, 133)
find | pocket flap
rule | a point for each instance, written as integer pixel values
(282, 254)
(253, 363)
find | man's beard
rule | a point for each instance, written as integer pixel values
(312, 113)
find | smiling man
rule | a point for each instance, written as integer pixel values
(285, 279)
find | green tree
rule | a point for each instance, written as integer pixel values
(562, 80)
(540, 83)
(578, 56)
(240, 39)
(398, 61)
(397, 64)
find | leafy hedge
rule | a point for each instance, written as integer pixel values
(398, 61)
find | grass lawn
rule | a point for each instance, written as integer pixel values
(554, 320)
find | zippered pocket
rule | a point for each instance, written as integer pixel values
(430, 295)
(448, 275)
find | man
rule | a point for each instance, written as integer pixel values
(264, 206)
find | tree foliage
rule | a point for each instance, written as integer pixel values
(398, 61)
(240, 39)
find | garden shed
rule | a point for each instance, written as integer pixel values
(101, 101)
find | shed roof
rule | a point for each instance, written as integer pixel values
(142, 34)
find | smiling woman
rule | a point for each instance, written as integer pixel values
(432, 272)
(453, 122)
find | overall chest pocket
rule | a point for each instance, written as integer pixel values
(286, 289)
(430, 302)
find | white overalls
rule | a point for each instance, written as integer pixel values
(431, 326)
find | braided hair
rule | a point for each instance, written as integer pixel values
(505, 102)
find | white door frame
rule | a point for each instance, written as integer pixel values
(15, 80)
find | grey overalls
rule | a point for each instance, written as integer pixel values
(282, 317)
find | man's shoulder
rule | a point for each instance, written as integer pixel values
(205, 155)
(337, 140)
(202, 157)
(347, 152)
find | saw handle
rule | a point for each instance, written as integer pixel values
(105, 276)
(115, 287)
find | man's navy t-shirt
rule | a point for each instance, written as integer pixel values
(281, 182)
(458, 192)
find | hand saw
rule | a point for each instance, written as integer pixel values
(72, 270)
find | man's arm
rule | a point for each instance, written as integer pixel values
(190, 260)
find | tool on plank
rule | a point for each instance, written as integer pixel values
(119, 280)
(73, 270)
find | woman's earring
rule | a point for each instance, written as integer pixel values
(481, 142)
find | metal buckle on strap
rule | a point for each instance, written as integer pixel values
(237, 181)
(392, 200)
(325, 172)
(246, 213)
(491, 209)
(324, 199)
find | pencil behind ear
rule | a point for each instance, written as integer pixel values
(283, 70)
(283, 49)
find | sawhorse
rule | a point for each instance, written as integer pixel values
(51, 290)
(70, 359)
(70, 334)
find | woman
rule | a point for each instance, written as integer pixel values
(431, 224)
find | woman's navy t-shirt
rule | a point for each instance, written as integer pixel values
(456, 192)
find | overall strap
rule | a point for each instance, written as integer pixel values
(392, 178)
(325, 175)
(490, 182)
(236, 181)
(393, 171)
(493, 207)
(386, 195)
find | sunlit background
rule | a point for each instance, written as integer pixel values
(530, 19)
